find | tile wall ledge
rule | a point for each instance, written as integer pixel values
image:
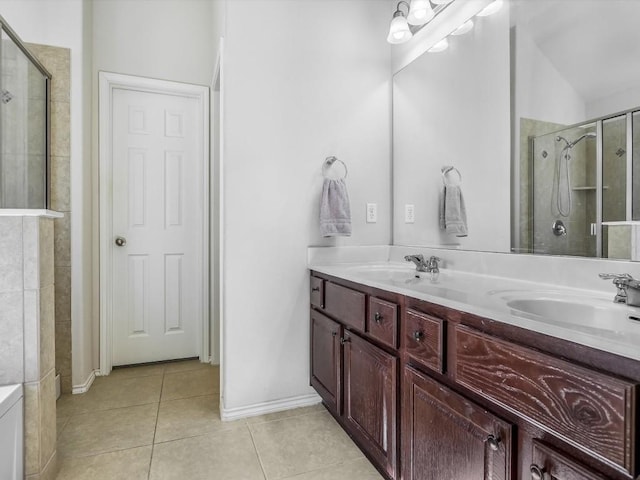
(29, 212)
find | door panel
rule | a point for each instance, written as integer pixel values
(370, 398)
(325, 359)
(157, 208)
(446, 436)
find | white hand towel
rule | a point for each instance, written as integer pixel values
(453, 213)
(335, 210)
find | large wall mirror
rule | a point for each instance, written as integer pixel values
(537, 109)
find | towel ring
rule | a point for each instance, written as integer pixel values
(446, 170)
(328, 163)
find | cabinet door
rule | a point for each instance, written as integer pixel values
(446, 436)
(370, 399)
(325, 359)
(549, 464)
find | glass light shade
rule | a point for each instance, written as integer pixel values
(464, 28)
(399, 30)
(490, 9)
(420, 12)
(441, 46)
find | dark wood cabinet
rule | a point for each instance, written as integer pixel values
(594, 411)
(370, 398)
(325, 359)
(446, 436)
(432, 393)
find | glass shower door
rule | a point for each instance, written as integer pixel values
(564, 191)
(23, 129)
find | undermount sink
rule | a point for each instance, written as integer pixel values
(579, 312)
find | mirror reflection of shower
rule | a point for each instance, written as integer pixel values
(584, 195)
(563, 175)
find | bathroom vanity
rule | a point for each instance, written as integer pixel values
(434, 392)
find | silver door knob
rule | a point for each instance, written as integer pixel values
(121, 241)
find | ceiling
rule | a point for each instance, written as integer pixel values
(594, 44)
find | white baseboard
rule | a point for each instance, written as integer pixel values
(84, 388)
(228, 414)
(58, 390)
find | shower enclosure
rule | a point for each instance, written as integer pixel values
(24, 125)
(584, 198)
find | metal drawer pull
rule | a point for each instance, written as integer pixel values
(537, 473)
(344, 340)
(377, 317)
(494, 442)
(418, 336)
(315, 289)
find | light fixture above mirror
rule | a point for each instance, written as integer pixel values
(411, 17)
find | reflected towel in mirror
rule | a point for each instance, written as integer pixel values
(453, 213)
(335, 210)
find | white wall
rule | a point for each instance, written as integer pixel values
(303, 80)
(165, 39)
(542, 92)
(453, 108)
(61, 24)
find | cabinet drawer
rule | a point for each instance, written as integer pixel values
(423, 339)
(586, 408)
(344, 304)
(383, 321)
(549, 463)
(317, 292)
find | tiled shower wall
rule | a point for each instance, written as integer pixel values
(58, 62)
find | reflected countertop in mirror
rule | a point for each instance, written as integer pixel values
(536, 107)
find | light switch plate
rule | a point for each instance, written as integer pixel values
(409, 214)
(372, 212)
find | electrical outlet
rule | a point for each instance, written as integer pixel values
(372, 212)
(409, 214)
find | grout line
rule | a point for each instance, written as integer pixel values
(255, 447)
(153, 442)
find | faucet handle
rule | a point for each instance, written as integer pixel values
(621, 281)
(615, 276)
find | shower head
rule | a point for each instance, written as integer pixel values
(575, 142)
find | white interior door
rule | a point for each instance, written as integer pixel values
(157, 226)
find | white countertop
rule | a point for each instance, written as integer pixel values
(595, 320)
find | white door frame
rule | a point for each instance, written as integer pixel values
(107, 83)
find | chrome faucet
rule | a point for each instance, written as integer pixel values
(422, 266)
(628, 288)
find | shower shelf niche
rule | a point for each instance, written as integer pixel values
(588, 188)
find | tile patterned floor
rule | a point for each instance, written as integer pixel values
(161, 422)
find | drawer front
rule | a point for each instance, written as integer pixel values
(382, 323)
(346, 305)
(317, 292)
(549, 463)
(589, 409)
(423, 339)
